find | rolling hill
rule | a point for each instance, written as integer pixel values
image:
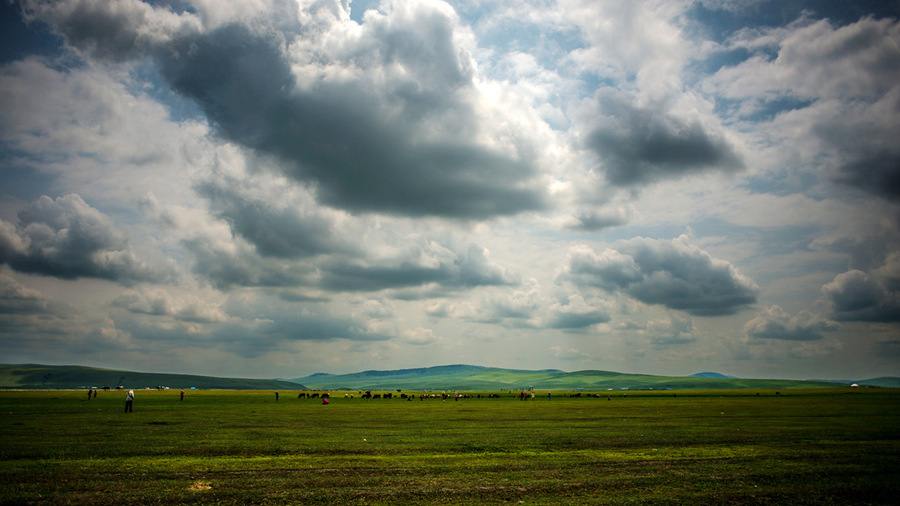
(33, 376)
(467, 377)
(448, 377)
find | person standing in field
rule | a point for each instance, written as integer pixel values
(182, 394)
(276, 396)
(129, 401)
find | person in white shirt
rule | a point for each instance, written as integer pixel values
(129, 400)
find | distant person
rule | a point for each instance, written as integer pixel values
(90, 392)
(324, 400)
(182, 394)
(276, 396)
(129, 401)
(95, 393)
(549, 397)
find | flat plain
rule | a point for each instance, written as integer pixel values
(803, 446)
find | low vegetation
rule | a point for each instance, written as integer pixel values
(809, 446)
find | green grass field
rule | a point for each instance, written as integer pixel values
(832, 446)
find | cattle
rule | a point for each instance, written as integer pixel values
(314, 396)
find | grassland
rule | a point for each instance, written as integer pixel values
(828, 446)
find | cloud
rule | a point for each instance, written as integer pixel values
(279, 226)
(228, 264)
(389, 147)
(66, 238)
(640, 144)
(159, 302)
(857, 296)
(864, 140)
(429, 264)
(594, 220)
(377, 117)
(576, 315)
(116, 30)
(815, 59)
(674, 274)
(16, 299)
(671, 331)
(272, 323)
(775, 323)
(35, 326)
(843, 81)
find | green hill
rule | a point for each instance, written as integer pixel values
(467, 377)
(33, 376)
(449, 377)
(885, 382)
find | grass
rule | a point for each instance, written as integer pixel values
(830, 446)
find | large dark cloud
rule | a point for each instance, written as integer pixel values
(359, 146)
(859, 296)
(878, 173)
(864, 140)
(642, 144)
(383, 120)
(66, 238)
(674, 274)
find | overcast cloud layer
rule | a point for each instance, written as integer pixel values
(273, 188)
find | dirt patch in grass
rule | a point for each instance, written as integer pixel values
(200, 486)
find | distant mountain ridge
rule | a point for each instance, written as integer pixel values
(714, 375)
(445, 377)
(468, 377)
(36, 376)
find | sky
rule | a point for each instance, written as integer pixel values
(275, 188)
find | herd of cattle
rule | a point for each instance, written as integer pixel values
(523, 395)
